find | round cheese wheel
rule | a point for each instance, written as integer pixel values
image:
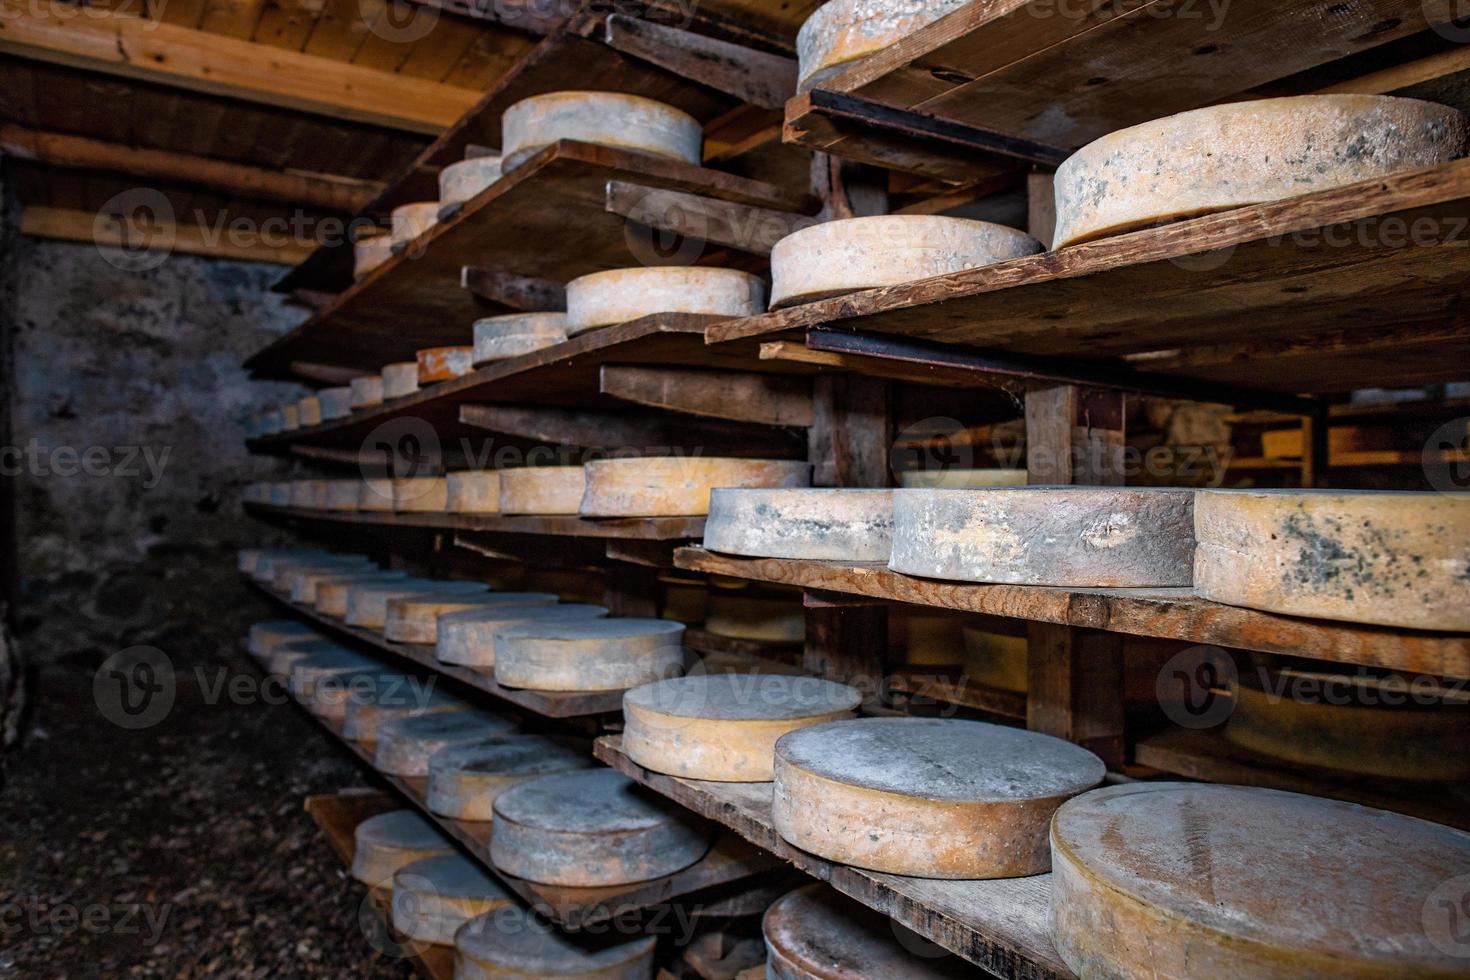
(678, 486)
(263, 565)
(400, 379)
(542, 489)
(334, 692)
(1386, 558)
(309, 410)
(592, 829)
(434, 897)
(265, 637)
(367, 390)
(306, 672)
(995, 660)
(336, 403)
(405, 745)
(375, 494)
(815, 933)
(289, 653)
(464, 180)
(927, 797)
(473, 492)
(444, 363)
(843, 256)
(588, 654)
(1082, 537)
(962, 478)
(464, 780)
(369, 253)
(343, 494)
(468, 638)
(1240, 153)
(513, 944)
(1195, 880)
(724, 727)
(763, 618)
(603, 299)
(271, 422)
(412, 220)
(309, 494)
(285, 575)
(280, 495)
(500, 337)
(421, 495)
(389, 702)
(415, 618)
(367, 603)
(391, 840)
(290, 418)
(832, 525)
(628, 122)
(845, 30)
(332, 591)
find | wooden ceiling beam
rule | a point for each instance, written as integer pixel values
(135, 47)
(128, 239)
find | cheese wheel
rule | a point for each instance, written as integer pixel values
(309, 410)
(962, 478)
(265, 637)
(513, 944)
(388, 703)
(830, 525)
(280, 494)
(369, 253)
(628, 122)
(542, 489)
(405, 745)
(343, 494)
(500, 337)
(391, 840)
(434, 897)
(412, 220)
(843, 256)
(289, 653)
(290, 418)
(670, 486)
(400, 379)
(464, 780)
(845, 30)
(332, 592)
(304, 581)
(270, 422)
(1082, 537)
(308, 671)
(367, 390)
(1240, 153)
(375, 495)
(465, 180)
(285, 575)
(415, 618)
(264, 567)
(1195, 880)
(815, 933)
(444, 363)
(1386, 558)
(995, 660)
(309, 494)
(473, 492)
(762, 618)
(367, 604)
(592, 829)
(603, 299)
(724, 727)
(588, 654)
(467, 638)
(928, 797)
(336, 403)
(333, 693)
(421, 495)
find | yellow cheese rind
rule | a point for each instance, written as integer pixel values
(629, 122)
(405, 745)
(369, 253)
(434, 897)
(473, 492)
(265, 637)
(816, 933)
(588, 654)
(678, 486)
(501, 337)
(343, 495)
(542, 490)
(375, 495)
(602, 299)
(444, 363)
(464, 780)
(467, 638)
(1240, 153)
(466, 179)
(329, 593)
(412, 220)
(819, 524)
(843, 31)
(367, 391)
(400, 379)
(421, 495)
(415, 618)
(367, 603)
(389, 841)
(513, 944)
(309, 410)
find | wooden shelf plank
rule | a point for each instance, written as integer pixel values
(1352, 287)
(1003, 925)
(557, 525)
(1169, 613)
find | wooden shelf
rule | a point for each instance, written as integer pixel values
(1322, 293)
(555, 525)
(951, 686)
(1169, 613)
(1003, 926)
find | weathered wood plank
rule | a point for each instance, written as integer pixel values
(767, 399)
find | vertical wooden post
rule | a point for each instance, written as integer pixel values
(1041, 206)
(846, 637)
(1074, 436)
(632, 590)
(1315, 449)
(848, 189)
(851, 431)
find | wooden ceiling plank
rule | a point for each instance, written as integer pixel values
(338, 31)
(231, 18)
(75, 225)
(287, 23)
(487, 60)
(435, 55)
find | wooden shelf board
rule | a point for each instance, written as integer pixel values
(1003, 925)
(1168, 613)
(1283, 296)
(553, 525)
(950, 686)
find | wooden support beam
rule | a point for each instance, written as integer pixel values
(647, 434)
(846, 639)
(851, 433)
(156, 51)
(110, 231)
(632, 590)
(64, 150)
(1041, 206)
(848, 189)
(1074, 436)
(1075, 687)
(523, 15)
(525, 293)
(766, 399)
(750, 229)
(765, 80)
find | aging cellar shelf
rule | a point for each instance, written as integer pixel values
(1002, 925)
(555, 525)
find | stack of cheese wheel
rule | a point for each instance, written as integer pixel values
(369, 252)
(724, 727)
(334, 693)
(592, 829)
(958, 479)
(838, 257)
(513, 943)
(308, 494)
(835, 525)
(265, 637)
(309, 410)
(472, 492)
(391, 840)
(375, 495)
(464, 780)
(1240, 153)
(1386, 558)
(815, 933)
(467, 638)
(336, 403)
(1196, 880)
(367, 391)
(678, 486)
(329, 593)
(1082, 537)
(588, 654)
(843, 31)
(290, 418)
(367, 605)
(343, 495)
(400, 379)
(501, 337)
(602, 299)
(288, 654)
(462, 181)
(542, 490)
(285, 574)
(927, 797)
(764, 618)
(995, 659)
(412, 220)
(406, 744)
(367, 715)
(444, 363)
(415, 618)
(263, 567)
(434, 897)
(310, 670)
(421, 495)
(628, 122)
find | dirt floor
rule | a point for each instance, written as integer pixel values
(178, 850)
